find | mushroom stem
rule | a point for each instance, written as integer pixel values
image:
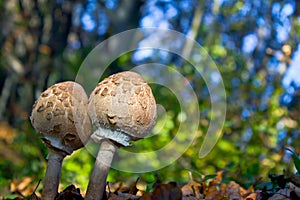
(52, 176)
(97, 182)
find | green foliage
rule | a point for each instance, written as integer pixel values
(77, 168)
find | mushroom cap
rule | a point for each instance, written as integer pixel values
(60, 116)
(123, 102)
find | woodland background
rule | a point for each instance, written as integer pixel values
(256, 45)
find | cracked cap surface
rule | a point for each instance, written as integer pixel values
(60, 116)
(123, 102)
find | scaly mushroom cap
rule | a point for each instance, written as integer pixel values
(124, 103)
(60, 116)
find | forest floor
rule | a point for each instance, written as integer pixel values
(212, 187)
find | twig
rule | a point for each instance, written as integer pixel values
(33, 196)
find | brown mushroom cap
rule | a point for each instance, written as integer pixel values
(60, 116)
(123, 102)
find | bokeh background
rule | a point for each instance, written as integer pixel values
(255, 44)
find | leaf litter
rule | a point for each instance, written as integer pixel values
(212, 187)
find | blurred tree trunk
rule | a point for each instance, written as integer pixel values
(34, 36)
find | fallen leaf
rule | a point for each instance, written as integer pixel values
(293, 178)
(282, 194)
(71, 192)
(251, 196)
(23, 187)
(193, 188)
(212, 190)
(168, 191)
(233, 191)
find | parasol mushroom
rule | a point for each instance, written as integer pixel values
(60, 116)
(123, 109)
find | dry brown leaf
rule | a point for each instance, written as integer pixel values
(168, 191)
(251, 196)
(212, 190)
(123, 192)
(187, 190)
(23, 187)
(233, 191)
(278, 197)
(219, 177)
(193, 188)
(251, 189)
(24, 183)
(295, 189)
(293, 178)
(222, 191)
(243, 191)
(282, 194)
(13, 186)
(118, 186)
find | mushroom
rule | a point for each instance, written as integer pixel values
(60, 116)
(123, 109)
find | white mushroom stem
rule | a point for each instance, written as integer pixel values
(52, 176)
(97, 183)
(123, 108)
